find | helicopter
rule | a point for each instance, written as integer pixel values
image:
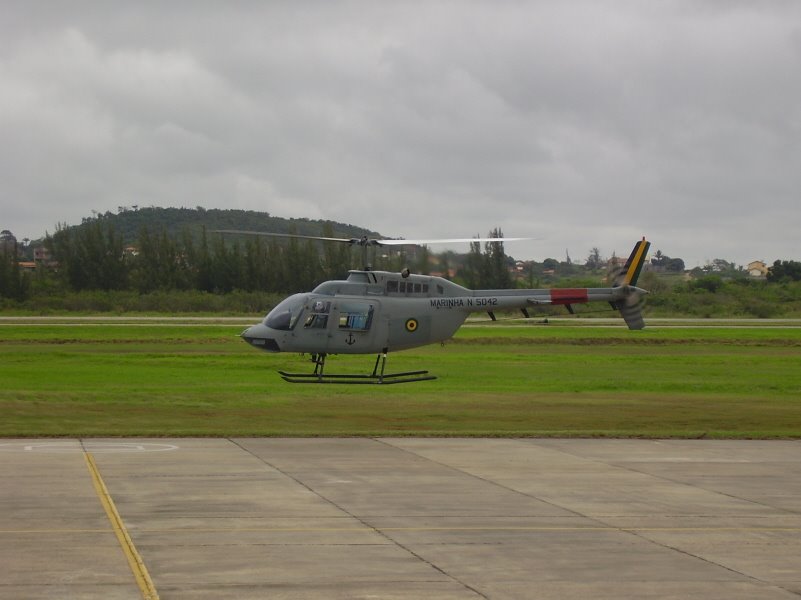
(377, 312)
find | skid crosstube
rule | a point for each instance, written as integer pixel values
(377, 377)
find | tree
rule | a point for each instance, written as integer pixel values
(336, 256)
(594, 261)
(225, 266)
(13, 282)
(423, 256)
(709, 283)
(550, 264)
(257, 273)
(659, 259)
(202, 263)
(311, 266)
(489, 270)
(724, 267)
(91, 256)
(445, 261)
(294, 269)
(664, 262)
(497, 265)
(784, 270)
(674, 265)
(158, 264)
(473, 266)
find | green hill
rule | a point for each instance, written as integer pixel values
(129, 222)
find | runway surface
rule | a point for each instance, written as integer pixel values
(400, 518)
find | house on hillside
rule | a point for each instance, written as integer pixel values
(41, 254)
(449, 274)
(616, 262)
(757, 268)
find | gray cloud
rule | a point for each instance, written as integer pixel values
(585, 124)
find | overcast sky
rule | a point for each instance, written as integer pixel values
(580, 123)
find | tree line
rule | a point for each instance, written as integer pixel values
(94, 256)
(95, 268)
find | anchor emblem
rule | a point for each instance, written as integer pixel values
(350, 340)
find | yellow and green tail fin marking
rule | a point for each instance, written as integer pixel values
(635, 262)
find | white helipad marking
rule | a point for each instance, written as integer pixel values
(75, 447)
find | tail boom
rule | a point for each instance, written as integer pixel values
(623, 295)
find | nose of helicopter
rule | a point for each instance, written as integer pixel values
(259, 337)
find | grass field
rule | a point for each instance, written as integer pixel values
(184, 377)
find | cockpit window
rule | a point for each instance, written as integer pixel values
(284, 316)
(318, 315)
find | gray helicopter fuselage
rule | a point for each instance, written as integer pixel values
(379, 311)
(369, 312)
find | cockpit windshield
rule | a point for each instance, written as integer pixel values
(286, 314)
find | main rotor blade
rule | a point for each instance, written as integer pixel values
(445, 241)
(365, 241)
(288, 235)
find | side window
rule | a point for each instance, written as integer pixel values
(318, 317)
(356, 316)
(392, 286)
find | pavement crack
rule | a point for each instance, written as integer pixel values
(600, 521)
(485, 480)
(361, 520)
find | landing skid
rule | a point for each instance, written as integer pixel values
(376, 378)
(385, 379)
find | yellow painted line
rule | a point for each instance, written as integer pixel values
(134, 560)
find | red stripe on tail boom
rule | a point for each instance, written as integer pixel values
(568, 295)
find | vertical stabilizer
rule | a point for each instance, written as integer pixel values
(631, 271)
(630, 306)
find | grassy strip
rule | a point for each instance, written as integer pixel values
(497, 381)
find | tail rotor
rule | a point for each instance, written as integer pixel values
(630, 305)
